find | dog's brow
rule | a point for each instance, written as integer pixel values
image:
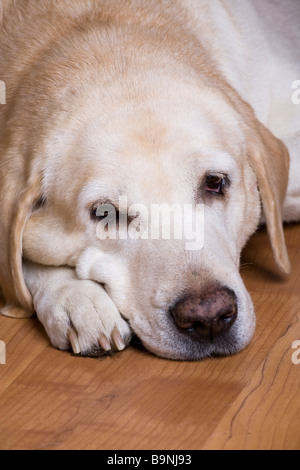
(99, 193)
(216, 158)
(106, 202)
(211, 162)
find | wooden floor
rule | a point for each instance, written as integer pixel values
(52, 400)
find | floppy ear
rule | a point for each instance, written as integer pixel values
(269, 159)
(16, 207)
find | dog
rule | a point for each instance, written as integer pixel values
(153, 102)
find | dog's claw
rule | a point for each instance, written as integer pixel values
(72, 335)
(117, 340)
(104, 343)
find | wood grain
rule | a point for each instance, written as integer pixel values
(52, 400)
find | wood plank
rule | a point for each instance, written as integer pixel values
(266, 415)
(24, 340)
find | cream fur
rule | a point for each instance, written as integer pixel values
(143, 99)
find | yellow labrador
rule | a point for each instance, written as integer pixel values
(113, 106)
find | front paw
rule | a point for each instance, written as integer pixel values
(81, 315)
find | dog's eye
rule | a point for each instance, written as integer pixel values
(105, 211)
(215, 184)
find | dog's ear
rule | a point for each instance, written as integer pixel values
(16, 204)
(269, 159)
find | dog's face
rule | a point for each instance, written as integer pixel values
(167, 147)
(141, 113)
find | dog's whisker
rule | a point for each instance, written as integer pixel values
(246, 265)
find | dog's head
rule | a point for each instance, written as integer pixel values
(128, 159)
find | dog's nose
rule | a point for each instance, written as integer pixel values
(207, 315)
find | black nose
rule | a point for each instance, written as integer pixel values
(207, 315)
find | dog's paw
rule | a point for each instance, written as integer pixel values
(80, 314)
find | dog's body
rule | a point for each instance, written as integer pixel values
(170, 102)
